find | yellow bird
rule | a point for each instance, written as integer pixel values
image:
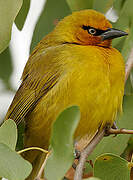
(75, 64)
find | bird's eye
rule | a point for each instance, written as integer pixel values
(92, 31)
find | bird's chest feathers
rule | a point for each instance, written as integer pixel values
(97, 83)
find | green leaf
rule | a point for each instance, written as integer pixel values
(62, 149)
(20, 140)
(125, 23)
(8, 12)
(48, 19)
(118, 5)
(128, 45)
(118, 43)
(6, 66)
(76, 5)
(117, 144)
(111, 167)
(8, 133)
(12, 165)
(128, 87)
(131, 79)
(21, 17)
(124, 9)
(102, 5)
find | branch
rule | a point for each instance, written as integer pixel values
(90, 147)
(129, 65)
(84, 154)
(100, 135)
(119, 131)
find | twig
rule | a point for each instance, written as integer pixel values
(119, 131)
(87, 151)
(42, 168)
(129, 64)
(84, 154)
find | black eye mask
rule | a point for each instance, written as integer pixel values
(98, 32)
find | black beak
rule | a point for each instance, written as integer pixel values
(112, 33)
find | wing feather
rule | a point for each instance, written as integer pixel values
(37, 80)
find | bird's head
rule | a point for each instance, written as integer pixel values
(87, 27)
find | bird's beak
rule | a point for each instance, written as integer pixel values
(112, 33)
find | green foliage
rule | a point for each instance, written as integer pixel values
(12, 165)
(76, 5)
(102, 5)
(109, 166)
(124, 22)
(49, 18)
(9, 138)
(61, 156)
(118, 5)
(6, 66)
(21, 17)
(8, 12)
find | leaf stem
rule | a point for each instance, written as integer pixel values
(33, 148)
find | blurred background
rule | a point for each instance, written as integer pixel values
(13, 59)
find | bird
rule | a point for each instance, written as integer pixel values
(75, 64)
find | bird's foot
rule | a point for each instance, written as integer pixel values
(114, 126)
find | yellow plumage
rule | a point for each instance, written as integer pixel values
(70, 67)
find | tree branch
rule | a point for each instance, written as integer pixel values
(97, 138)
(129, 65)
(84, 154)
(119, 131)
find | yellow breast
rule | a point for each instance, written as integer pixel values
(93, 78)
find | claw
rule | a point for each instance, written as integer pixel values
(108, 127)
(114, 126)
